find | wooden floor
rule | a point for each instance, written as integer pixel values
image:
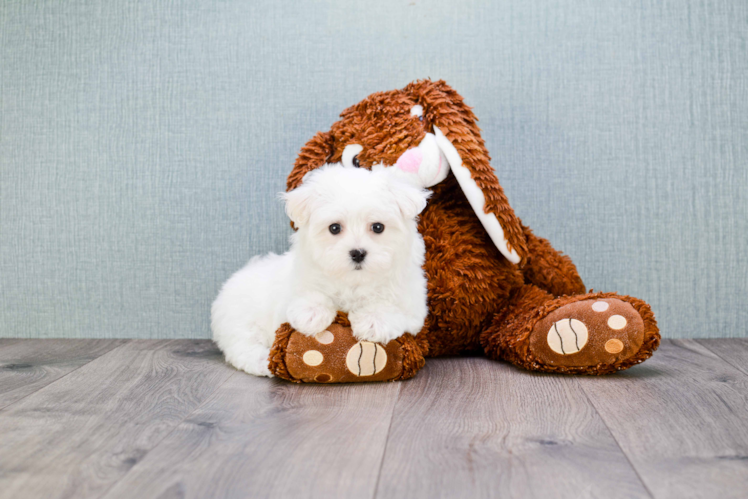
(112, 418)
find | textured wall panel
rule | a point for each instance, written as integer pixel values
(142, 144)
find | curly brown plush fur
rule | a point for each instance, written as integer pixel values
(477, 299)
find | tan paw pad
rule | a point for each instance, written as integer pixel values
(567, 336)
(600, 306)
(313, 358)
(326, 337)
(614, 346)
(366, 358)
(617, 322)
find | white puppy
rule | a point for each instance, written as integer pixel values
(357, 250)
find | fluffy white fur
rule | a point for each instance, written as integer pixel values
(384, 295)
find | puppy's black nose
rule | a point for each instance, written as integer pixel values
(358, 255)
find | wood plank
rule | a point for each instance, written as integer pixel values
(79, 435)
(682, 420)
(734, 351)
(479, 428)
(260, 437)
(28, 365)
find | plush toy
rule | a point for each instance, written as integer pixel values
(493, 286)
(335, 355)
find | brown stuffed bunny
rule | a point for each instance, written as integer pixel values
(492, 284)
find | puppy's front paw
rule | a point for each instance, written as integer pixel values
(309, 318)
(380, 328)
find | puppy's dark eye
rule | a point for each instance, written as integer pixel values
(355, 162)
(377, 227)
(335, 228)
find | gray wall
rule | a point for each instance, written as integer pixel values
(142, 144)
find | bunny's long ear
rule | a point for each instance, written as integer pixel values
(458, 136)
(314, 154)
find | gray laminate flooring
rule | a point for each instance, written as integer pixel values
(151, 418)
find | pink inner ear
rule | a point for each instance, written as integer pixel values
(410, 161)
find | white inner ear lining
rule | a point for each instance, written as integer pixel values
(475, 197)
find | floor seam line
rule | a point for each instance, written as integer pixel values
(706, 346)
(173, 429)
(615, 439)
(387, 439)
(126, 341)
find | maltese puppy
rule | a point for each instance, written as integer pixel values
(357, 250)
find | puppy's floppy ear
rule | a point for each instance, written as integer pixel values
(458, 136)
(299, 204)
(314, 154)
(410, 198)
